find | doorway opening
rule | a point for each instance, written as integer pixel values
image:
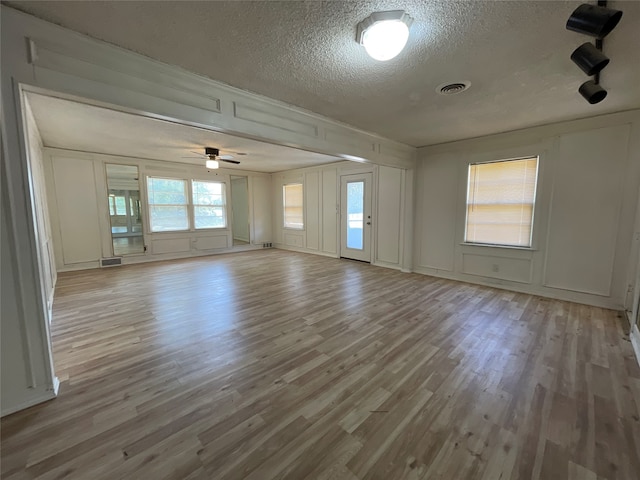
(355, 216)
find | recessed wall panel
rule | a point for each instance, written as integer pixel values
(312, 209)
(212, 242)
(438, 180)
(388, 219)
(76, 201)
(585, 206)
(170, 245)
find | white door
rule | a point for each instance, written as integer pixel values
(355, 216)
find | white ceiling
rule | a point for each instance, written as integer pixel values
(515, 53)
(78, 126)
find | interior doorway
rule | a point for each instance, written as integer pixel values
(355, 216)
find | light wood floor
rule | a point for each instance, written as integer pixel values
(272, 364)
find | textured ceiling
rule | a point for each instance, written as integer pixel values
(515, 54)
(78, 126)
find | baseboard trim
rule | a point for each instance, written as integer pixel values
(634, 336)
(282, 246)
(392, 266)
(35, 397)
(161, 257)
(556, 294)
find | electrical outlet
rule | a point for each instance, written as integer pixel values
(495, 268)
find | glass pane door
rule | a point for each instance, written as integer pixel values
(355, 215)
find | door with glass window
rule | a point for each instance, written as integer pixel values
(355, 217)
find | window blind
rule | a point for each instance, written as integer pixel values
(293, 206)
(500, 202)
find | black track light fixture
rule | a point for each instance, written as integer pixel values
(589, 58)
(597, 21)
(594, 20)
(592, 92)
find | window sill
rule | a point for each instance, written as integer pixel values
(506, 247)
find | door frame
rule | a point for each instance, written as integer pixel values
(368, 220)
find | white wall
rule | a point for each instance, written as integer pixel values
(239, 200)
(322, 211)
(82, 228)
(14, 378)
(589, 175)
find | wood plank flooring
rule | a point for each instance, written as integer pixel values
(272, 364)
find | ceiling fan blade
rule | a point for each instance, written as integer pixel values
(226, 157)
(199, 158)
(198, 153)
(229, 161)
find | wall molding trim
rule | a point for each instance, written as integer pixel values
(159, 257)
(531, 135)
(555, 294)
(291, 248)
(393, 266)
(35, 396)
(70, 63)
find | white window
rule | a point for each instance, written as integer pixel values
(500, 202)
(117, 205)
(209, 204)
(168, 210)
(292, 203)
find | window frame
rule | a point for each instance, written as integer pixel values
(531, 245)
(284, 206)
(193, 205)
(190, 205)
(186, 205)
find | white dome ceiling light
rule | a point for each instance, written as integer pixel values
(384, 34)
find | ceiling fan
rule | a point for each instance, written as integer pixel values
(212, 156)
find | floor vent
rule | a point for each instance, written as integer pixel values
(110, 262)
(267, 245)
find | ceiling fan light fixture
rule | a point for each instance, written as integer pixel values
(212, 164)
(384, 34)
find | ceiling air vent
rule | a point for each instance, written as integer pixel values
(453, 88)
